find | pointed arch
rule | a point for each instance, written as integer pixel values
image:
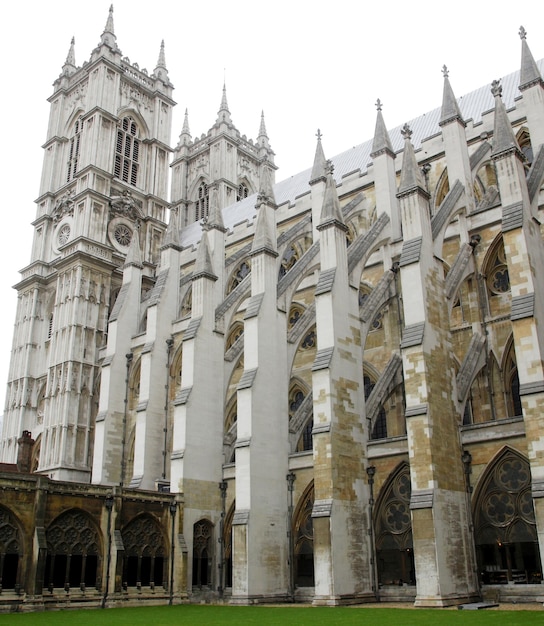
(203, 553)
(510, 380)
(11, 549)
(240, 272)
(393, 529)
(303, 538)
(505, 531)
(145, 555)
(227, 545)
(74, 551)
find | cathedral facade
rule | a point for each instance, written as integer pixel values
(328, 389)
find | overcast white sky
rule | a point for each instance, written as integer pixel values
(309, 64)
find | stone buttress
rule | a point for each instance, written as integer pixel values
(342, 563)
(442, 544)
(260, 547)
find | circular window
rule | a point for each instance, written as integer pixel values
(64, 234)
(122, 234)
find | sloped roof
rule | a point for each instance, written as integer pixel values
(473, 105)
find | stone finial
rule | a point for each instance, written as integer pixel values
(522, 33)
(406, 131)
(496, 88)
(445, 71)
(378, 105)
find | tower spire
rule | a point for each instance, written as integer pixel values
(529, 74)
(262, 137)
(450, 108)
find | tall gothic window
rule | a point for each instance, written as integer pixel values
(202, 202)
(127, 149)
(74, 149)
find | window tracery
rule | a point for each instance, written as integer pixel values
(294, 314)
(243, 192)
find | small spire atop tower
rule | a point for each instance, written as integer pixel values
(529, 74)
(262, 137)
(223, 115)
(160, 71)
(320, 162)
(69, 66)
(382, 141)
(450, 108)
(410, 175)
(108, 36)
(504, 139)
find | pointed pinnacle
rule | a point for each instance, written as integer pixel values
(161, 61)
(109, 23)
(262, 127)
(71, 57)
(185, 130)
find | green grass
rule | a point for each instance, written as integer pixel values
(205, 615)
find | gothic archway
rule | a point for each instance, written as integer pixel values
(504, 521)
(11, 549)
(303, 535)
(202, 553)
(145, 553)
(74, 552)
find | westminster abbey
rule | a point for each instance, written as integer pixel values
(328, 389)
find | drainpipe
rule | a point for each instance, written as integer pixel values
(371, 471)
(169, 344)
(221, 588)
(291, 477)
(128, 357)
(109, 507)
(173, 508)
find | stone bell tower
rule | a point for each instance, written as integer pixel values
(104, 183)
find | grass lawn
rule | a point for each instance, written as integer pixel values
(206, 615)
